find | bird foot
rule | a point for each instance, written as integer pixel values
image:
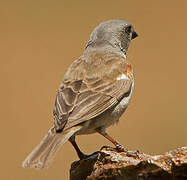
(85, 156)
(133, 154)
(107, 148)
(120, 148)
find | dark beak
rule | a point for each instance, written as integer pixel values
(134, 35)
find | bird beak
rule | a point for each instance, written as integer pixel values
(134, 35)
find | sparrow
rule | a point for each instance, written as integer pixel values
(94, 92)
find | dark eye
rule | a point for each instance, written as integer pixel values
(128, 29)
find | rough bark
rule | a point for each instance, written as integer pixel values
(112, 165)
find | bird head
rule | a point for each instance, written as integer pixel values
(112, 33)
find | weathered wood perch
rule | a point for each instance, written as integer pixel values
(111, 165)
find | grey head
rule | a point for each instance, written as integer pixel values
(115, 34)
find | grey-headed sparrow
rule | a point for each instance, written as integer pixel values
(94, 93)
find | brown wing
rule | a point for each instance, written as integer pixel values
(90, 88)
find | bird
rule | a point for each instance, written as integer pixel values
(93, 95)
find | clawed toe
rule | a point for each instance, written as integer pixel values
(120, 148)
(107, 148)
(132, 153)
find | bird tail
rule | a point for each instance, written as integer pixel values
(44, 153)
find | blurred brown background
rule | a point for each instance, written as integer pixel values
(39, 40)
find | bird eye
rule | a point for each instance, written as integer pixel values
(128, 29)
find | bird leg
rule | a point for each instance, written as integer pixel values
(80, 154)
(119, 147)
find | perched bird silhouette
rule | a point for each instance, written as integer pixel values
(94, 93)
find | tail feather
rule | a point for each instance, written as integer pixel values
(44, 153)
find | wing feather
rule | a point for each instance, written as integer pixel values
(87, 92)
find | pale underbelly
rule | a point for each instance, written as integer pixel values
(106, 119)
